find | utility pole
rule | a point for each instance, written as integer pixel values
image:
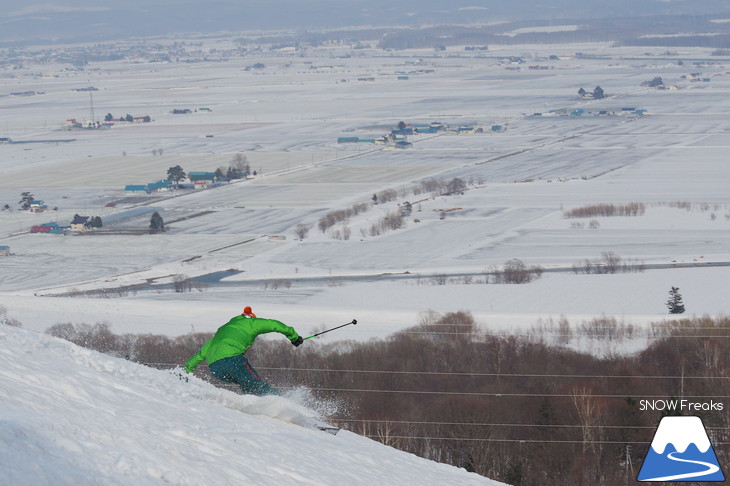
(91, 99)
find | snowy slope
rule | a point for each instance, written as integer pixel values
(72, 416)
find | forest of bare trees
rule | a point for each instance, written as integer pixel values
(509, 407)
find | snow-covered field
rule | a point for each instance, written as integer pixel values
(286, 119)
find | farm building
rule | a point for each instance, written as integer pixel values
(161, 185)
(4, 250)
(51, 227)
(79, 223)
(136, 188)
(37, 207)
(426, 129)
(201, 176)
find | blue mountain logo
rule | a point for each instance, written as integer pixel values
(681, 451)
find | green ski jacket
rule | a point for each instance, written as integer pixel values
(235, 337)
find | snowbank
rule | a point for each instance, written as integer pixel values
(73, 416)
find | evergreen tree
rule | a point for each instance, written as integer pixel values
(156, 222)
(176, 174)
(675, 304)
(25, 199)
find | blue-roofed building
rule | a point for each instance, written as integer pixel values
(137, 188)
(4, 250)
(201, 176)
(161, 185)
(37, 207)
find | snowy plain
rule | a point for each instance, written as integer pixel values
(286, 120)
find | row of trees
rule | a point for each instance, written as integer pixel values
(237, 169)
(507, 407)
(128, 118)
(597, 93)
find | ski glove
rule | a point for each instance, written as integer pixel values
(297, 341)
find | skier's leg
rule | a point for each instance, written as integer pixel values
(249, 379)
(223, 369)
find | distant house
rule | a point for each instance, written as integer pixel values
(426, 129)
(37, 207)
(51, 227)
(80, 223)
(403, 144)
(161, 185)
(4, 250)
(137, 188)
(200, 184)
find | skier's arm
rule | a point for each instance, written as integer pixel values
(193, 362)
(197, 358)
(272, 325)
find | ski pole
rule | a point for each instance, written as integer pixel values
(354, 321)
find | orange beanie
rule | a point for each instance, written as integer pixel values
(248, 312)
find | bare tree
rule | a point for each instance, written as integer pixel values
(302, 230)
(182, 283)
(240, 164)
(611, 261)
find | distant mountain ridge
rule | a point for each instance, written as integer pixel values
(102, 20)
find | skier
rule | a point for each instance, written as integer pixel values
(225, 351)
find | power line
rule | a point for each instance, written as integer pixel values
(509, 395)
(478, 424)
(497, 375)
(479, 374)
(526, 441)
(487, 394)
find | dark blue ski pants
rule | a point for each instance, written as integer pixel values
(237, 369)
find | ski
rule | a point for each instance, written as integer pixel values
(325, 427)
